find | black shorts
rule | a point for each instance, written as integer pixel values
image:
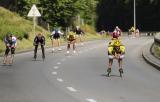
(56, 36)
(9, 49)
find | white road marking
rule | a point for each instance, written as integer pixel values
(55, 67)
(59, 79)
(59, 63)
(54, 73)
(71, 89)
(90, 100)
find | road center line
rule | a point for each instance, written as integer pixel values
(71, 89)
(59, 63)
(90, 100)
(55, 67)
(54, 73)
(59, 79)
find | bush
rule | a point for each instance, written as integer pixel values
(19, 35)
(1, 50)
(20, 38)
(157, 50)
(88, 29)
(26, 35)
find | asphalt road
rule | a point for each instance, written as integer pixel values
(81, 77)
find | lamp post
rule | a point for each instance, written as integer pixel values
(135, 14)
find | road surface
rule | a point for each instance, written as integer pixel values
(81, 77)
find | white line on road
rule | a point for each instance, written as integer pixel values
(71, 89)
(55, 67)
(59, 79)
(54, 73)
(90, 100)
(59, 63)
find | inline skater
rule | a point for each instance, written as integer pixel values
(71, 38)
(39, 40)
(116, 33)
(11, 43)
(55, 38)
(79, 32)
(116, 50)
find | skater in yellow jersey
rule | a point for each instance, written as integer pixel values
(71, 38)
(115, 51)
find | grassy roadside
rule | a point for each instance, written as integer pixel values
(23, 29)
(156, 51)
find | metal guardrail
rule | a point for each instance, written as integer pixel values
(144, 33)
(157, 39)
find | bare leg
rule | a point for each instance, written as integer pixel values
(6, 55)
(11, 59)
(5, 59)
(52, 43)
(120, 67)
(58, 40)
(59, 43)
(81, 39)
(12, 55)
(110, 63)
(109, 66)
(73, 42)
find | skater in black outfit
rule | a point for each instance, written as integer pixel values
(39, 40)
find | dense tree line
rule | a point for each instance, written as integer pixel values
(58, 12)
(121, 12)
(104, 14)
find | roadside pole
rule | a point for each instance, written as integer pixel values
(34, 13)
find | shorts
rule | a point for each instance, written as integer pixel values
(9, 49)
(71, 40)
(113, 57)
(56, 36)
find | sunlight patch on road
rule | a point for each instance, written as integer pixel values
(91, 100)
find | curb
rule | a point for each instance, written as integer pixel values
(149, 58)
